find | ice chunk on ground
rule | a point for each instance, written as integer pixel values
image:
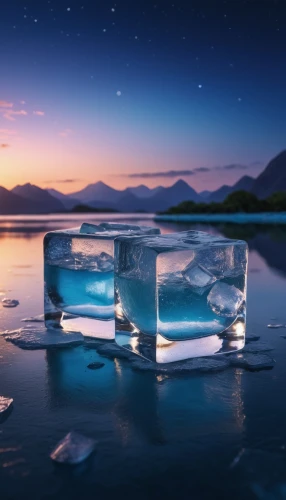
(224, 299)
(34, 319)
(251, 338)
(251, 361)
(202, 365)
(73, 449)
(197, 276)
(10, 302)
(42, 338)
(278, 325)
(95, 365)
(257, 347)
(117, 226)
(5, 404)
(91, 228)
(105, 262)
(112, 350)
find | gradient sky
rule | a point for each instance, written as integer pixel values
(129, 92)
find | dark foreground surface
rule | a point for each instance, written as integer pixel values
(196, 436)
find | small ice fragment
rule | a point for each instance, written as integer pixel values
(95, 365)
(252, 361)
(202, 365)
(105, 262)
(198, 276)
(225, 300)
(73, 449)
(91, 228)
(5, 404)
(114, 226)
(41, 338)
(34, 319)
(10, 303)
(257, 347)
(276, 326)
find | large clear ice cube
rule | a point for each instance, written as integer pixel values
(180, 295)
(79, 276)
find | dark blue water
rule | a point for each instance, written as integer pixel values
(216, 435)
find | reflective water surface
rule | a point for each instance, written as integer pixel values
(212, 435)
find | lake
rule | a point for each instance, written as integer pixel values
(197, 436)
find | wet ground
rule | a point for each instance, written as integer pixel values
(200, 435)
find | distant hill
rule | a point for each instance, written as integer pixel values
(68, 202)
(244, 184)
(97, 192)
(273, 177)
(11, 203)
(143, 191)
(45, 201)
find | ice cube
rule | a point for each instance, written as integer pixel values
(225, 300)
(105, 262)
(5, 404)
(161, 289)
(10, 303)
(73, 449)
(116, 226)
(87, 228)
(197, 276)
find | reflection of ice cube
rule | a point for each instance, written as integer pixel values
(197, 276)
(91, 228)
(224, 299)
(105, 262)
(73, 449)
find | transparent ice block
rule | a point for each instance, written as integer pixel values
(180, 295)
(79, 277)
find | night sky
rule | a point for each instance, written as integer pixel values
(140, 91)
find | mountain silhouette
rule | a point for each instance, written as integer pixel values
(68, 202)
(273, 177)
(46, 202)
(245, 184)
(97, 192)
(12, 203)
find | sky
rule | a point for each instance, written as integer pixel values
(140, 91)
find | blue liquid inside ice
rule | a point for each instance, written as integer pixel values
(81, 292)
(182, 313)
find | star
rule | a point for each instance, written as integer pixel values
(118, 93)
(68, 9)
(112, 10)
(239, 99)
(200, 86)
(35, 20)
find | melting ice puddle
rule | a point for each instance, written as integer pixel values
(73, 449)
(42, 338)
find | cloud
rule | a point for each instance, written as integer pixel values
(5, 104)
(66, 132)
(7, 131)
(256, 164)
(10, 113)
(168, 173)
(232, 166)
(62, 181)
(202, 170)
(4, 146)
(39, 113)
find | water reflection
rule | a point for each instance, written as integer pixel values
(144, 405)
